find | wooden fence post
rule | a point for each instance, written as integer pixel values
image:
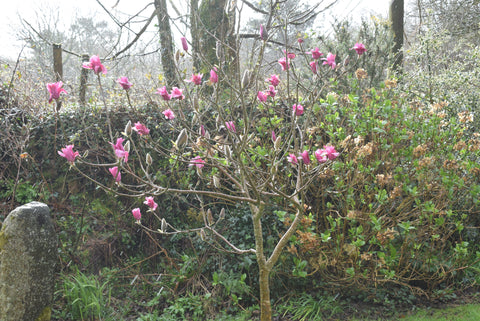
(83, 81)
(58, 67)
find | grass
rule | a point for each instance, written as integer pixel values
(467, 312)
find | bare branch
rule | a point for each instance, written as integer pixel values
(254, 8)
(236, 249)
(137, 35)
(48, 41)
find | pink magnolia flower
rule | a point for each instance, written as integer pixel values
(123, 81)
(164, 93)
(262, 96)
(313, 66)
(196, 79)
(330, 60)
(292, 159)
(118, 144)
(271, 91)
(68, 153)
(202, 130)
(305, 157)
(119, 150)
(263, 32)
(177, 93)
(141, 129)
(55, 89)
(137, 215)
(197, 161)
(213, 76)
(284, 62)
(327, 153)
(116, 173)
(298, 109)
(150, 203)
(359, 48)
(274, 80)
(184, 43)
(168, 114)
(274, 137)
(290, 55)
(300, 40)
(330, 152)
(231, 126)
(95, 65)
(320, 156)
(316, 54)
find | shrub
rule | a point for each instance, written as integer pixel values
(395, 209)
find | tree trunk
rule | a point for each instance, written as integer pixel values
(215, 24)
(168, 60)
(83, 81)
(263, 267)
(58, 68)
(195, 33)
(396, 19)
(265, 304)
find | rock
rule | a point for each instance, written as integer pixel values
(28, 255)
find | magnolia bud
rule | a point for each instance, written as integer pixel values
(203, 236)
(85, 154)
(209, 217)
(263, 33)
(194, 118)
(219, 50)
(228, 152)
(128, 128)
(222, 214)
(277, 144)
(163, 225)
(182, 139)
(245, 78)
(127, 146)
(184, 43)
(216, 181)
(148, 159)
(195, 103)
(177, 56)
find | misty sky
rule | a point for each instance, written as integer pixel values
(30, 10)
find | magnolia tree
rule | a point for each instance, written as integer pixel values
(242, 140)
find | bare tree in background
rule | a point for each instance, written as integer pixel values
(194, 30)
(165, 33)
(457, 18)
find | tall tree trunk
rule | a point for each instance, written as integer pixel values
(215, 24)
(396, 19)
(165, 32)
(195, 33)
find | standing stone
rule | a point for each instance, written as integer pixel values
(28, 254)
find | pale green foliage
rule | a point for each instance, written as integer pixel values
(86, 296)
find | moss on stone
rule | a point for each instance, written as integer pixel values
(45, 315)
(3, 239)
